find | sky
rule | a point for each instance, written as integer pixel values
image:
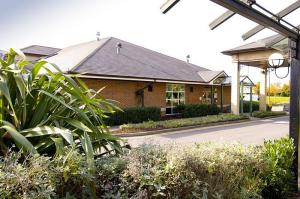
(184, 30)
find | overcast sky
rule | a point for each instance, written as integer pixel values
(184, 30)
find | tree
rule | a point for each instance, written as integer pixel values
(256, 88)
(285, 90)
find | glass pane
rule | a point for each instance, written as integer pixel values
(169, 95)
(181, 95)
(168, 110)
(181, 88)
(175, 103)
(168, 102)
(175, 95)
(169, 87)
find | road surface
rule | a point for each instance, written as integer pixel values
(251, 132)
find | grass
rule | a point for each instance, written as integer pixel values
(198, 121)
(263, 114)
(277, 100)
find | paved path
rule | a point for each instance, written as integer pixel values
(252, 132)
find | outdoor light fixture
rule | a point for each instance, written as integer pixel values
(276, 61)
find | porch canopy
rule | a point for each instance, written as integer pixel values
(255, 54)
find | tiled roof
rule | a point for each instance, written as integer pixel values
(100, 58)
(40, 50)
(262, 44)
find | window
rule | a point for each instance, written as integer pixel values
(175, 95)
(207, 96)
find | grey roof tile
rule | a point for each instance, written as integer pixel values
(261, 44)
(40, 50)
(139, 62)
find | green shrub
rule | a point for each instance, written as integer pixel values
(255, 106)
(204, 170)
(263, 114)
(27, 177)
(246, 106)
(197, 110)
(151, 125)
(134, 115)
(279, 156)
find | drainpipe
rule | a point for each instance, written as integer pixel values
(222, 98)
(140, 92)
(251, 101)
(242, 98)
(212, 94)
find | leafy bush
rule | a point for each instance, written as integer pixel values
(263, 114)
(255, 106)
(43, 111)
(151, 125)
(134, 115)
(246, 106)
(25, 178)
(197, 110)
(204, 170)
(279, 155)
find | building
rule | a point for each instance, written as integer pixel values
(134, 76)
(256, 54)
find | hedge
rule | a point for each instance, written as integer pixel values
(133, 115)
(255, 106)
(197, 110)
(175, 123)
(263, 114)
(206, 170)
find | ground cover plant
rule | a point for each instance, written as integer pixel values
(205, 170)
(263, 114)
(175, 123)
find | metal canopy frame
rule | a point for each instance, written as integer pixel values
(281, 14)
(286, 29)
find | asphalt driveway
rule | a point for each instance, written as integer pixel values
(251, 132)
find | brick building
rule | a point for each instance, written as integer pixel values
(134, 76)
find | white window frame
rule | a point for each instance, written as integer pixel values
(174, 101)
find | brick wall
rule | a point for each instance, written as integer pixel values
(124, 92)
(194, 97)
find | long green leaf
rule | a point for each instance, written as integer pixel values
(59, 145)
(48, 130)
(19, 138)
(22, 89)
(77, 124)
(36, 68)
(5, 92)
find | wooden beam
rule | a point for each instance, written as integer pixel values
(221, 19)
(168, 5)
(281, 14)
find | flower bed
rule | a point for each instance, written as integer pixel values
(263, 114)
(198, 121)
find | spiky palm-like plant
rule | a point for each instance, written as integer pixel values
(42, 111)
